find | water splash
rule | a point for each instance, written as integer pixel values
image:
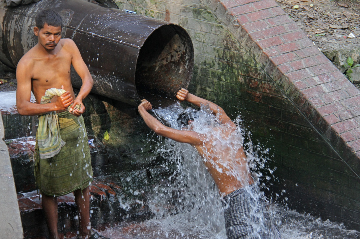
(188, 203)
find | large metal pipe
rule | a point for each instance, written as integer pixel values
(129, 56)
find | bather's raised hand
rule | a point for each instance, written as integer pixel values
(182, 94)
(145, 104)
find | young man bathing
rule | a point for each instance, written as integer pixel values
(227, 164)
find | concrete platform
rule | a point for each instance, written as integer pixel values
(10, 221)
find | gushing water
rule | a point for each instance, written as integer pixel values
(189, 205)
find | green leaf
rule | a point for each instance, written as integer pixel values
(106, 136)
(349, 61)
(357, 65)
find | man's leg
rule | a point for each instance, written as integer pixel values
(82, 199)
(50, 207)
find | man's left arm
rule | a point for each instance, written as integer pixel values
(83, 71)
(182, 136)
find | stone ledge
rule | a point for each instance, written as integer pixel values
(10, 222)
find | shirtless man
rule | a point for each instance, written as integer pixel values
(45, 66)
(229, 169)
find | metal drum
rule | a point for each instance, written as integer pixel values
(129, 56)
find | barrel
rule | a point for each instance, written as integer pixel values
(129, 56)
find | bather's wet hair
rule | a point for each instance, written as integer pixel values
(185, 117)
(48, 16)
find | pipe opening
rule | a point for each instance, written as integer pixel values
(165, 65)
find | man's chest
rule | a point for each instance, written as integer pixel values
(51, 68)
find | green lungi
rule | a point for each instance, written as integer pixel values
(70, 169)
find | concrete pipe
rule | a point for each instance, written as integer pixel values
(129, 56)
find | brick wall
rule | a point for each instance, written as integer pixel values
(253, 60)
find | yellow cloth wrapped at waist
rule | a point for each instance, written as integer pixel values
(48, 132)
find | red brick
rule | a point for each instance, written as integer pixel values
(328, 98)
(265, 4)
(270, 32)
(325, 77)
(70, 197)
(305, 43)
(26, 204)
(272, 52)
(347, 136)
(336, 74)
(259, 15)
(331, 67)
(95, 190)
(298, 75)
(356, 133)
(331, 119)
(289, 47)
(297, 65)
(351, 90)
(113, 185)
(319, 69)
(243, 19)
(306, 52)
(329, 109)
(312, 61)
(270, 42)
(300, 85)
(277, 11)
(346, 125)
(345, 114)
(243, 2)
(231, 3)
(317, 102)
(235, 3)
(287, 57)
(321, 58)
(355, 145)
(284, 68)
(310, 82)
(312, 92)
(294, 36)
(338, 95)
(239, 10)
(334, 85)
(279, 20)
(255, 26)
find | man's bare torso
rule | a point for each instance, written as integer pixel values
(225, 161)
(50, 70)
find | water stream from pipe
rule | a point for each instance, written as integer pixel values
(188, 204)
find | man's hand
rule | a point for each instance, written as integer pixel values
(77, 108)
(62, 102)
(145, 104)
(182, 94)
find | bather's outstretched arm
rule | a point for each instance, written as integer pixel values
(184, 94)
(182, 136)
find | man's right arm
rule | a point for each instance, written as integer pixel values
(23, 93)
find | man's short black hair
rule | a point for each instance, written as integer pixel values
(48, 16)
(185, 117)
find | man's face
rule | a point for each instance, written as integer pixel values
(48, 36)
